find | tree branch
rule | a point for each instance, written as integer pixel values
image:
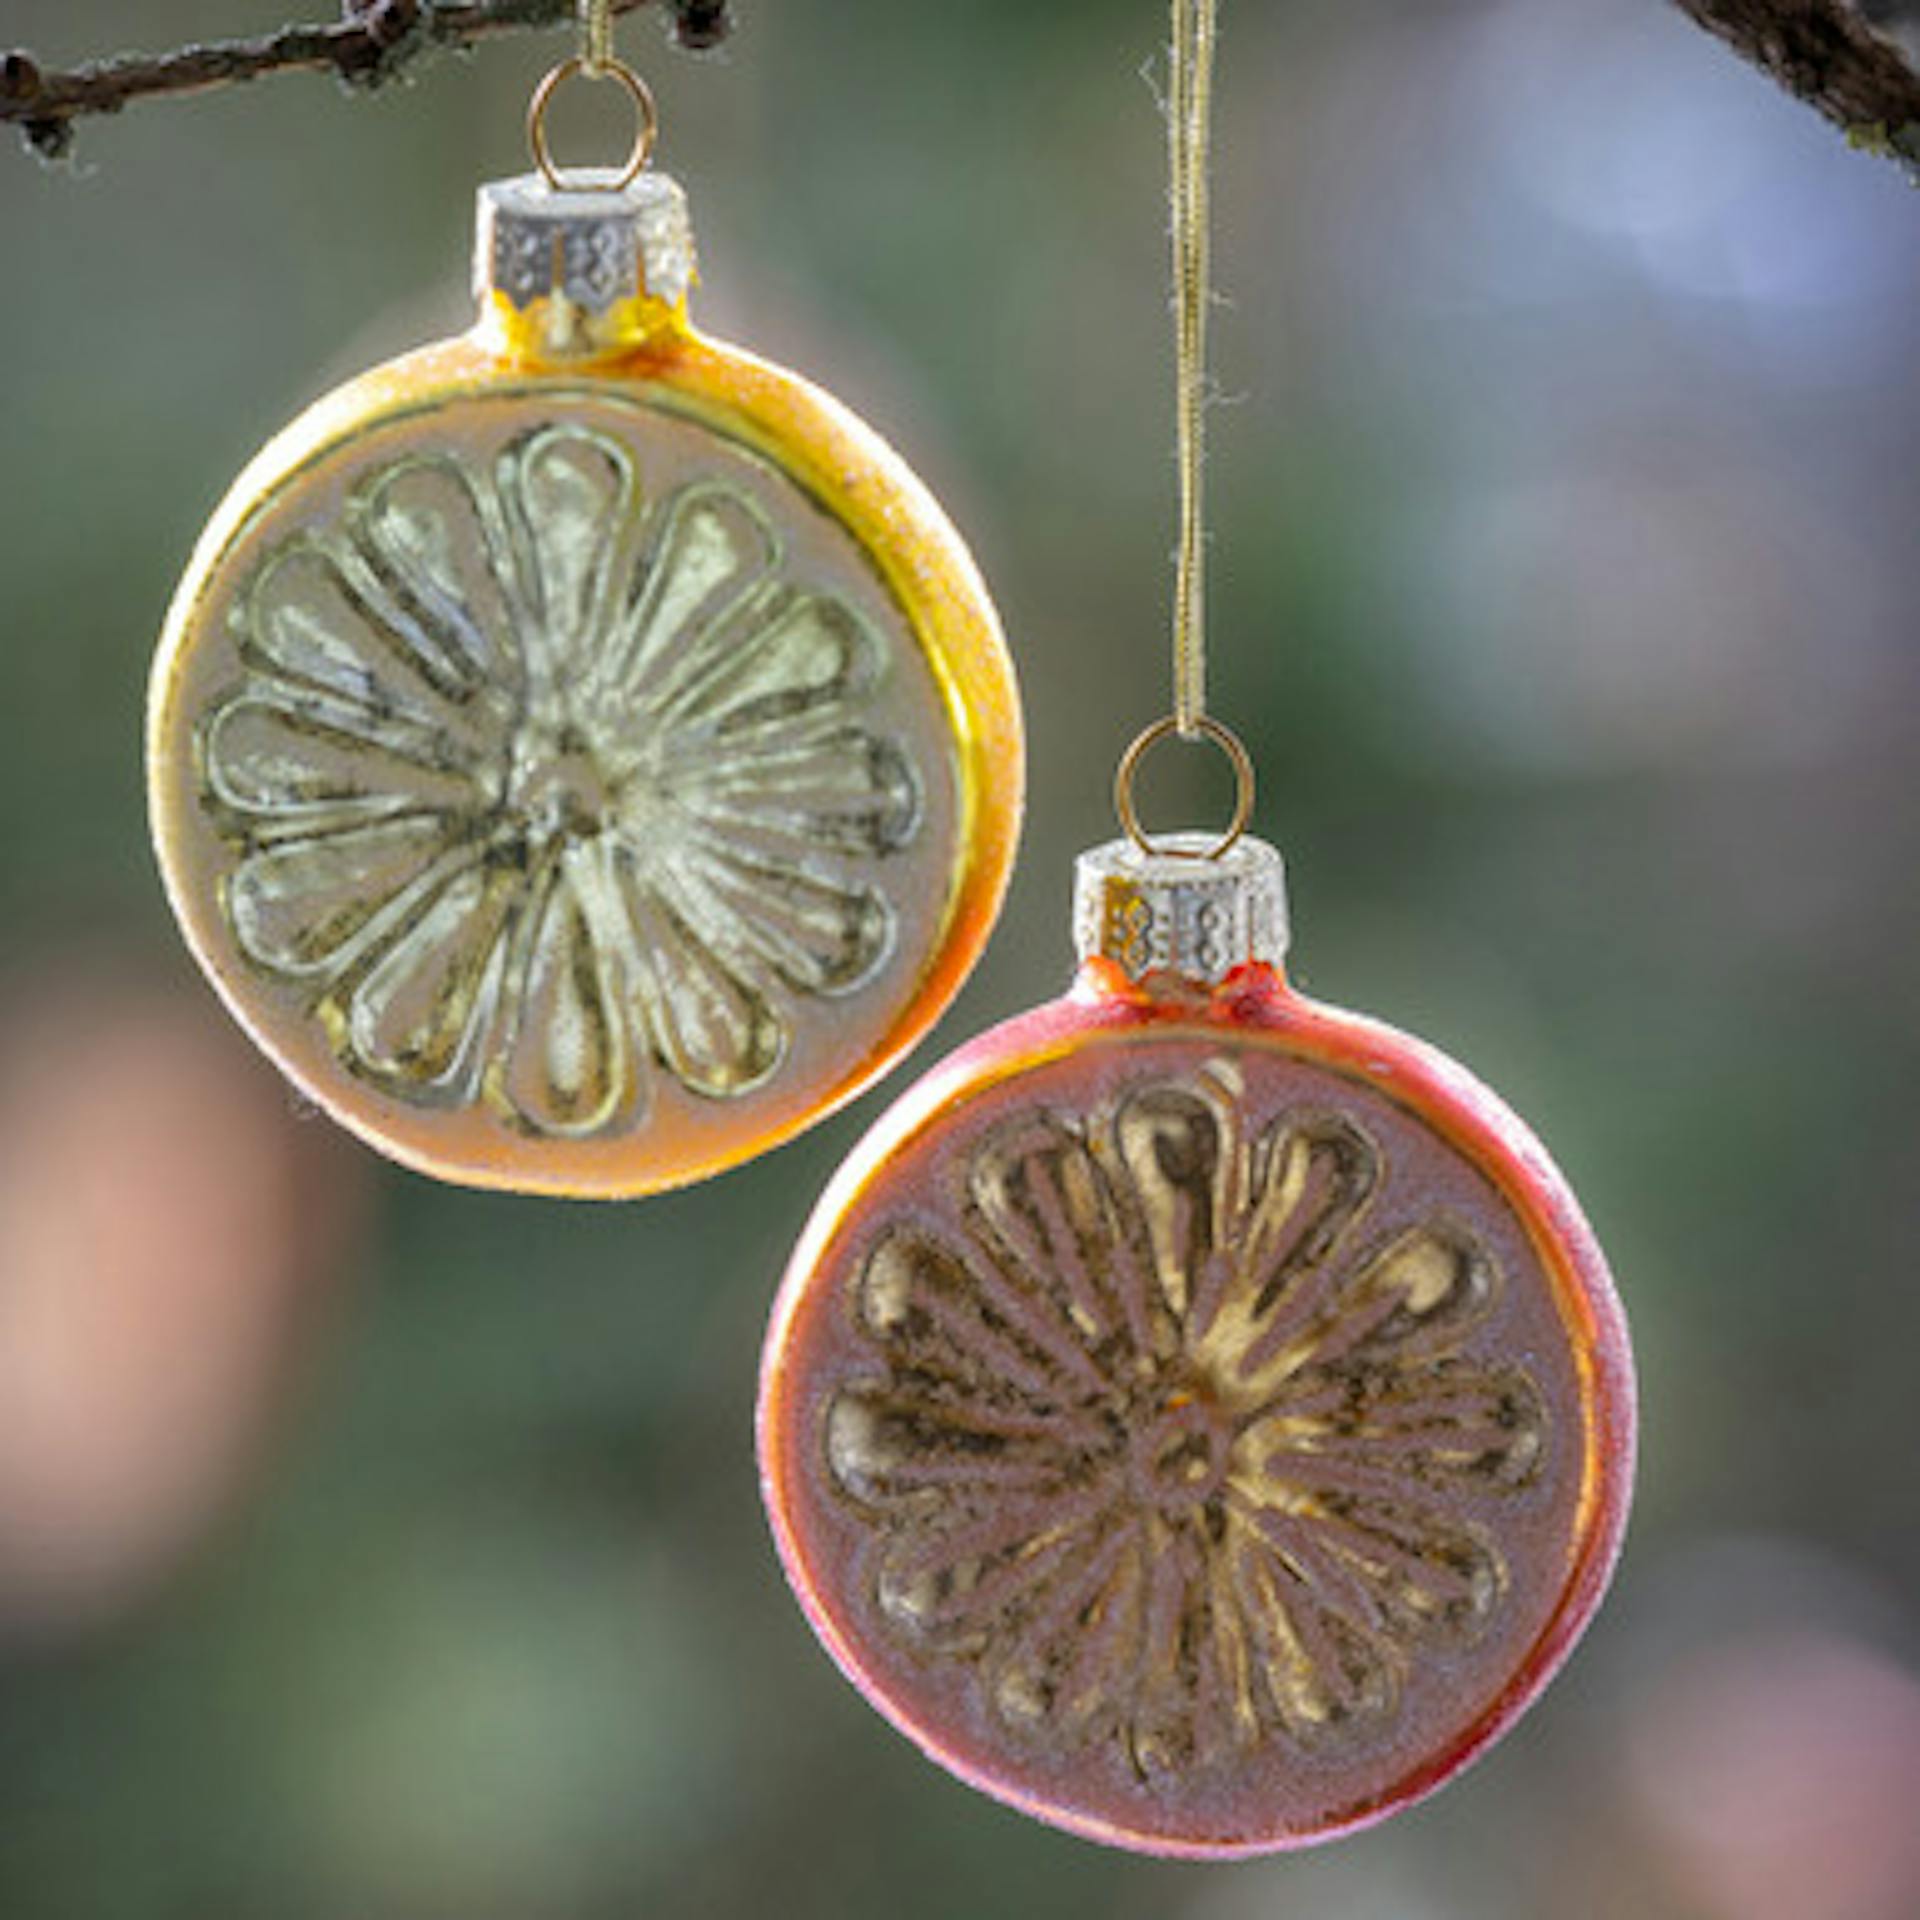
(1833, 55)
(372, 42)
(1829, 53)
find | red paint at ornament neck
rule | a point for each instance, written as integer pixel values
(1263, 1774)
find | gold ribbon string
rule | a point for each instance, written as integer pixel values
(1190, 143)
(1190, 138)
(596, 37)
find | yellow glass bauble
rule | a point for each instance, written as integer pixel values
(582, 754)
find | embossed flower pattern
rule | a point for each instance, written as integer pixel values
(541, 784)
(1174, 1441)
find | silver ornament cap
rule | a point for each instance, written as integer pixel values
(1180, 911)
(582, 255)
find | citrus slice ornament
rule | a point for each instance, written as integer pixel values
(580, 753)
(1197, 1416)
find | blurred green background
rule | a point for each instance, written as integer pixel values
(374, 1551)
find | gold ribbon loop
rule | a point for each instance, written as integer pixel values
(647, 131)
(1204, 728)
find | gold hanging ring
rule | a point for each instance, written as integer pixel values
(1241, 761)
(645, 134)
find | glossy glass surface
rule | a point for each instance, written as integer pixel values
(1201, 1422)
(566, 787)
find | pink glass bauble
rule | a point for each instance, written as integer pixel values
(1196, 1416)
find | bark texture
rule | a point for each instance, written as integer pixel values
(1854, 63)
